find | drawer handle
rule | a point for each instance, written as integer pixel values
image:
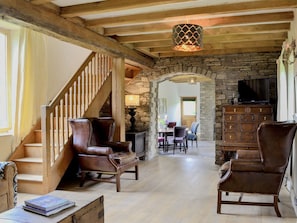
(264, 118)
(230, 137)
(234, 110)
(230, 127)
(260, 109)
(230, 118)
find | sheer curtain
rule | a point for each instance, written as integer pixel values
(291, 87)
(30, 82)
(282, 111)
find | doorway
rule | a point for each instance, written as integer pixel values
(188, 111)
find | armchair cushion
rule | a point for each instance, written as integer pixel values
(123, 157)
(96, 150)
(246, 166)
(248, 154)
(120, 146)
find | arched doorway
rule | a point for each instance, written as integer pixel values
(206, 106)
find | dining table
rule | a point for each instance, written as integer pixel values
(165, 132)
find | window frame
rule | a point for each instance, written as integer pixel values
(6, 85)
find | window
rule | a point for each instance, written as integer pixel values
(188, 111)
(4, 107)
(189, 106)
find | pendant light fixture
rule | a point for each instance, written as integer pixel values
(187, 37)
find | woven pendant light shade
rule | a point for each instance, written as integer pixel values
(187, 37)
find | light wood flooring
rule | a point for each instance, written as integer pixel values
(178, 188)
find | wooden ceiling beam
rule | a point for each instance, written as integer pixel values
(221, 52)
(252, 29)
(40, 2)
(220, 45)
(153, 44)
(110, 6)
(34, 17)
(259, 28)
(217, 39)
(194, 11)
(245, 37)
(264, 18)
(144, 37)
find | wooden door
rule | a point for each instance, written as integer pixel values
(188, 110)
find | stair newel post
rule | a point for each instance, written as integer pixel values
(45, 137)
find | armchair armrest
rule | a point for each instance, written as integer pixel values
(99, 150)
(120, 146)
(248, 155)
(246, 165)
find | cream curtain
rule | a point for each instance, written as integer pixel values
(31, 82)
(291, 87)
(282, 111)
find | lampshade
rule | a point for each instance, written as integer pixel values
(187, 37)
(132, 100)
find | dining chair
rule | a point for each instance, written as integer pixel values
(161, 141)
(192, 134)
(179, 138)
(171, 124)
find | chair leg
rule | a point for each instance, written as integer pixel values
(83, 177)
(99, 175)
(219, 202)
(275, 202)
(136, 172)
(118, 182)
(240, 197)
(174, 147)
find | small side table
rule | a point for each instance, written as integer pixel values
(138, 142)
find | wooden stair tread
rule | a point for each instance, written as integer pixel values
(29, 159)
(30, 177)
(34, 144)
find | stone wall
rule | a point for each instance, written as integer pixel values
(225, 71)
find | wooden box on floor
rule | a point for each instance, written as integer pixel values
(88, 208)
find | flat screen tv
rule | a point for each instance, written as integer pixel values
(254, 91)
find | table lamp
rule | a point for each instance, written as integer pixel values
(131, 102)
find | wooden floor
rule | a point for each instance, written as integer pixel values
(178, 188)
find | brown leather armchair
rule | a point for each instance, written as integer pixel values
(260, 171)
(96, 151)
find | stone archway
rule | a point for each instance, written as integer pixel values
(208, 94)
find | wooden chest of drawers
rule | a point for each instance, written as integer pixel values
(240, 123)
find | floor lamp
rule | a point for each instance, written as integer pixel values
(131, 102)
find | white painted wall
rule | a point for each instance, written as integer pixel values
(64, 59)
(173, 92)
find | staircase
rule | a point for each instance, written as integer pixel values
(45, 153)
